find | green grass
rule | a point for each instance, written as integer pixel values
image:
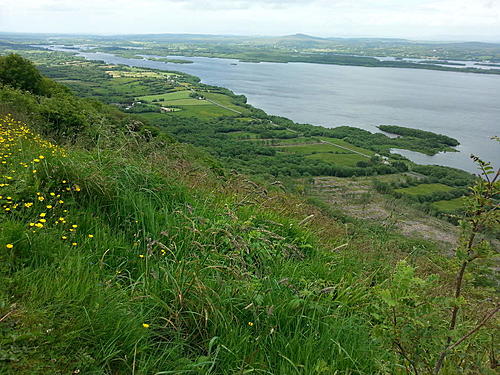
(224, 100)
(202, 111)
(348, 160)
(166, 97)
(201, 269)
(187, 102)
(313, 148)
(297, 140)
(451, 205)
(343, 143)
(325, 152)
(424, 189)
(127, 252)
(242, 135)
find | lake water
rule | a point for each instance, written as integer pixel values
(465, 106)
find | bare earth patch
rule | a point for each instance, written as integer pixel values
(357, 197)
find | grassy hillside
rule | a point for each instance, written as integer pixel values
(123, 251)
(113, 264)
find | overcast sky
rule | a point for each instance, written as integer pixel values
(415, 19)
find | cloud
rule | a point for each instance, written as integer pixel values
(421, 19)
(239, 4)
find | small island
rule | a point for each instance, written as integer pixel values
(424, 141)
(172, 61)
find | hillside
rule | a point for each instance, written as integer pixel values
(125, 251)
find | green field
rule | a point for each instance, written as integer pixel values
(343, 143)
(313, 148)
(202, 111)
(224, 100)
(166, 97)
(298, 140)
(450, 205)
(424, 189)
(347, 160)
(138, 73)
(188, 102)
(324, 151)
(243, 135)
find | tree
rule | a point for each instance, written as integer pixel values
(18, 72)
(435, 332)
(482, 212)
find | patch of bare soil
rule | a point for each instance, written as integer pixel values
(356, 197)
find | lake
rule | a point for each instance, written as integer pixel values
(465, 106)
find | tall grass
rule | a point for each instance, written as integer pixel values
(175, 269)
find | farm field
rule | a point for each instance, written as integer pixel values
(167, 96)
(244, 135)
(347, 160)
(424, 189)
(297, 141)
(313, 148)
(449, 205)
(223, 100)
(187, 102)
(343, 143)
(207, 111)
(138, 74)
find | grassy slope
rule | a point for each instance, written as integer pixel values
(424, 189)
(175, 266)
(451, 205)
(182, 273)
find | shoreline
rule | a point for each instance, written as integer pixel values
(142, 63)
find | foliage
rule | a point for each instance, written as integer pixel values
(414, 316)
(123, 251)
(20, 73)
(446, 175)
(417, 133)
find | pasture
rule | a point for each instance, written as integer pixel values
(167, 96)
(451, 205)
(346, 160)
(424, 189)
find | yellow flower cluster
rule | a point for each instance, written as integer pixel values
(21, 151)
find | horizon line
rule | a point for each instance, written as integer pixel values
(437, 40)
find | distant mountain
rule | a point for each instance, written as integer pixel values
(301, 37)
